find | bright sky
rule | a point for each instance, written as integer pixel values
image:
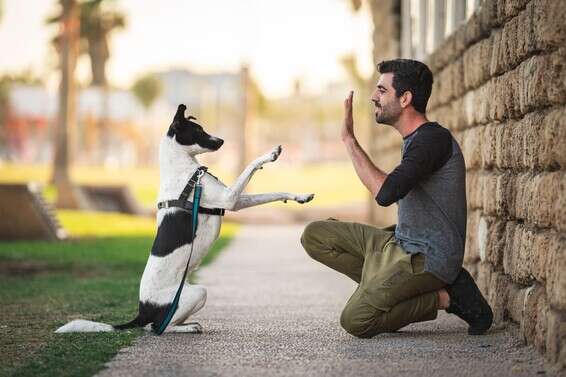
(280, 40)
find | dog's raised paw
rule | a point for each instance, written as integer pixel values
(304, 198)
(276, 152)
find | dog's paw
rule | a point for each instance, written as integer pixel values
(305, 198)
(188, 327)
(275, 153)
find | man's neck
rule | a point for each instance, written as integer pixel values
(409, 122)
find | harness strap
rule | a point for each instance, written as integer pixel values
(183, 201)
(188, 206)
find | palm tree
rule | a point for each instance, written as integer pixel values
(68, 196)
(96, 25)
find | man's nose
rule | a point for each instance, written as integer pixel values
(374, 96)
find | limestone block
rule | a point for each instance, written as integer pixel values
(498, 294)
(530, 312)
(556, 75)
(488, 17)
(494, 247)
(456, 70)
(556, 337)
(555, 267)
(559, 208)
(488, 147)
(519, 256)
(516, 302)
(509, 254)
(534, 149)
(505, 194)
(541, 245)
(523, 195)
(473, 190)
(514, 42)
(512, 7)
(458, 117)
(523, 256)
(497, 50)
(483, 279)
(471, 254)
(482, 102)
(542, 322)
(550, 28)
(488, 182)
(473, 29)
(542, 210)
(471, 146)
(552, 145)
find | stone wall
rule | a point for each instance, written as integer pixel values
(500, 87)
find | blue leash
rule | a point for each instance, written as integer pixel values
(175, 304)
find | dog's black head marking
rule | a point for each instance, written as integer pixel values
(187, 132)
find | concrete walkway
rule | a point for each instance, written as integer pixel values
(272, 311)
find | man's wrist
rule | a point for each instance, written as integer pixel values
(349, 140)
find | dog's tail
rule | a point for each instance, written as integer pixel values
(81, 325)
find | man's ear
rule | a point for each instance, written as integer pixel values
(406, 99)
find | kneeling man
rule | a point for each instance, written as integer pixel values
(407, 272)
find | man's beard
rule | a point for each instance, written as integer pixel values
(386, 116)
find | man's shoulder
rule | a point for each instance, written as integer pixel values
(430, 134)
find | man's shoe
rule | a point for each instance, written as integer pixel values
(467, 302)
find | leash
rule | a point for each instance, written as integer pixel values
(194, 182)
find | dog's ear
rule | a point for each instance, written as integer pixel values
(180, 114)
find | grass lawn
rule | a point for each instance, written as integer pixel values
(93, 276)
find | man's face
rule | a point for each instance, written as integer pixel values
(387, 104)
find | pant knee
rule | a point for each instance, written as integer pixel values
(360, 323)
(311, 238)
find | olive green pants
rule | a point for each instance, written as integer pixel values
(393, 291)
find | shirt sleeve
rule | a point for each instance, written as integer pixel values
(427, 152)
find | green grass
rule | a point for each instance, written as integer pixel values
(95, 276)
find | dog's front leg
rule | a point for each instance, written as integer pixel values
(245, 201)
(231, 194)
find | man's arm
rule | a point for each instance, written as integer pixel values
(371, 176)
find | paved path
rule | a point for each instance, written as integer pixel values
(272, 311)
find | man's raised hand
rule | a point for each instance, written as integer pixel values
(348, 127)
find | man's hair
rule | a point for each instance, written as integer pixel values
(410, 75)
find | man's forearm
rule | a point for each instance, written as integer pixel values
(371, 176)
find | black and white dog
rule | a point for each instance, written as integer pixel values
(170, 252)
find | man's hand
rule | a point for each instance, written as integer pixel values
(348, 128)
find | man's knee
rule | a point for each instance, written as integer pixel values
(360, 322)
(312, 238)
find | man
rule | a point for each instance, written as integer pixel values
(406, 273)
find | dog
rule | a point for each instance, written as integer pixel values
(165, 266)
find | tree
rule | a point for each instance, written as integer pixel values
(68, 196)
(147, 89)
(96, 25)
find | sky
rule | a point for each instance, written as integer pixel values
(280, 41)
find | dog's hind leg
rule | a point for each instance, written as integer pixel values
(192, 300)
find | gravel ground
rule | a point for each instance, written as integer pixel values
(272, 311)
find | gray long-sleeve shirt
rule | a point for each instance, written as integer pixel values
(429, 186)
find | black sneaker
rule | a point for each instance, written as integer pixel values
(467, 302)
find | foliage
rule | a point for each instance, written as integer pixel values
(147, 89)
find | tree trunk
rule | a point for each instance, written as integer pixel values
(67, 195)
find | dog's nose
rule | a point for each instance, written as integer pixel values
(220, 142)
